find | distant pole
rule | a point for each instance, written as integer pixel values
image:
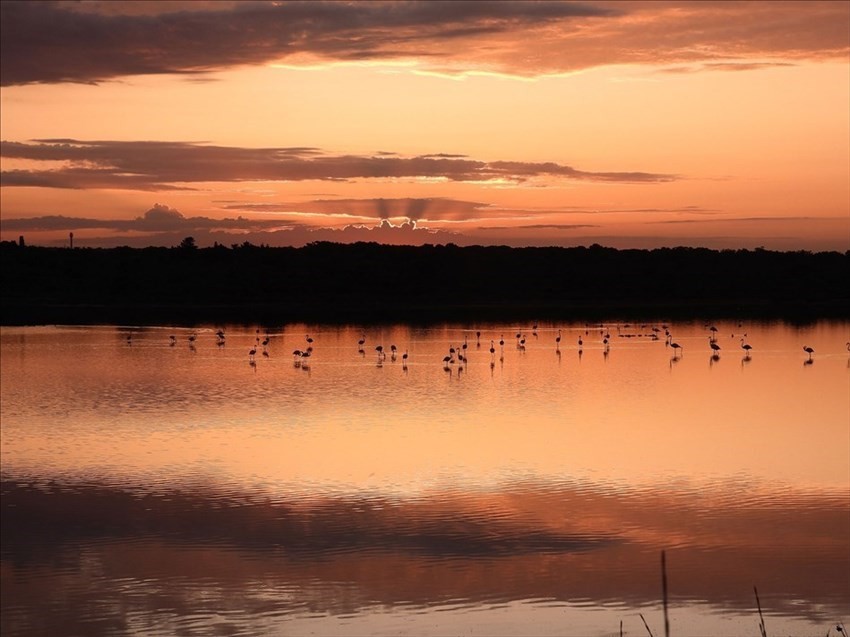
(72, 240)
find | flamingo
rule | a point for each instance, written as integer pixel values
(676, 347)
(173, 340)
(714, 346)
(746, 347)
(309, 339)
(252, 353)
(492, 349)
(558, 340)
(580, 342)
(361, 342)
(404, 358)
(808, 351)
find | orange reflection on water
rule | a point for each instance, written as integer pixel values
(627, 416)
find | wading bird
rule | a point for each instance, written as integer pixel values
(808, 351)
(714, 346)
(746, 346)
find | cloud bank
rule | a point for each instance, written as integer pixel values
(48, 42)
(150, 165)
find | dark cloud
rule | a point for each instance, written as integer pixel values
(414, 209)
(52, 42)
(66, 42)
(165, 226)
(150, 165)
(160, 218)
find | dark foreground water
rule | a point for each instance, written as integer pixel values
(152, 488)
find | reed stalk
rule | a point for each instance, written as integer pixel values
(647, 625)
(664, 591)
(762, 628)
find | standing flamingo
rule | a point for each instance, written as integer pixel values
(558, 340)
(746, 347)
(676, 347)
(808, 351)
(714, 346)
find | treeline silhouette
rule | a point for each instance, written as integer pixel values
(332, 282)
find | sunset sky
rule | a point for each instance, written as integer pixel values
(629, 124)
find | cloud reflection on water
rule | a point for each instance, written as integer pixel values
(527, 541)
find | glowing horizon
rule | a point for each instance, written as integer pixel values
(629, 124)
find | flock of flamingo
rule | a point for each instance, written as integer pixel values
(458, 354)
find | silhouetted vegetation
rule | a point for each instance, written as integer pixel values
(372, 282)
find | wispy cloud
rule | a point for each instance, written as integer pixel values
(65, 42)
(147, 165)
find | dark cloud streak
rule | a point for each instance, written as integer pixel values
(48, 42)
(51, 42)
(148, 165)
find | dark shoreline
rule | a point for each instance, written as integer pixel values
(374, 284)
(30, 315)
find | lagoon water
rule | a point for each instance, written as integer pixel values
(158, 489)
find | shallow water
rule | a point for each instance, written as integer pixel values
(158, 489)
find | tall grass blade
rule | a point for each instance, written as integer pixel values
(762, 628)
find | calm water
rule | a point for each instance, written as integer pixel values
(159, 489)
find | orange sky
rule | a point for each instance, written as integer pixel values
(630, 124)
